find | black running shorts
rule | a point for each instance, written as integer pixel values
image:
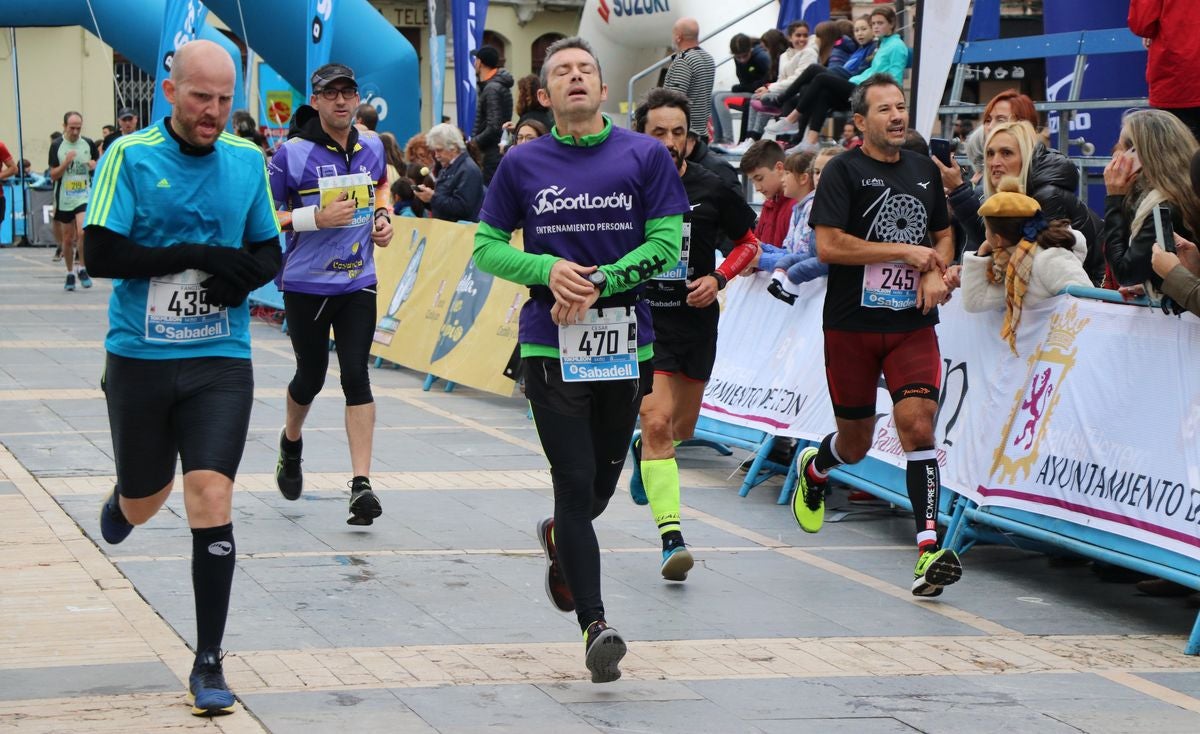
(68, 216)
(194, 410)
(691, 359)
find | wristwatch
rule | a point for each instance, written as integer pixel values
(598, 279)
(722, 281)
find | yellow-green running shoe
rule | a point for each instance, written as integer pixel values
(808, 499)
(935, 570)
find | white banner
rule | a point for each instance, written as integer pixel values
(1097, 421)
(941, 26)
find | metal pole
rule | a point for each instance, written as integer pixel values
(12, 35)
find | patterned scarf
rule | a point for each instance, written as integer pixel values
(1012, 266)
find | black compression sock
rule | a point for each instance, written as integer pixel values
(213, 557)
(922, 481)
(827, 458)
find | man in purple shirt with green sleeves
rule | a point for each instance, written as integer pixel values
(602, 212)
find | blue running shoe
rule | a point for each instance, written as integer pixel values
(637, 490)
(85, 280)
(70, 284)
(676, 563)
(113, 525)
(207, 691)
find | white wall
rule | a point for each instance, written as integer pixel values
(61, 69)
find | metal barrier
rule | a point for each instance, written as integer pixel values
(1079, 44)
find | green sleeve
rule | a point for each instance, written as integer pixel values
(660, 252)
(494, 254)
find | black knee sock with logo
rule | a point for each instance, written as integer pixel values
(213, 557)
(922, 479)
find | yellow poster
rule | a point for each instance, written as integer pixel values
(438, 313)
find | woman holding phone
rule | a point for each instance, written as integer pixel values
(1147, 169)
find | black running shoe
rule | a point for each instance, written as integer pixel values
(288, 475)
(113, 526)
(604, 647)
(775, 288)
(556, 583)
(364, 505)
(207, 691)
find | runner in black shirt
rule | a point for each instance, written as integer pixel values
(685, 310)
(881, 223)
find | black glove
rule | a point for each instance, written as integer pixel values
(224, 294)
(232, 264)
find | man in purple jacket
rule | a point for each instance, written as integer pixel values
(323, 180)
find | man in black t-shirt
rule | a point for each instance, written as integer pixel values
(881, 223)
(683, 301)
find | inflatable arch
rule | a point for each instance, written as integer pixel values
(130, 27)
(384, 61)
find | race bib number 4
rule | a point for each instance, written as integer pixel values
(358, 188)
(601, 347)
(178, 311)
(679, 272)
(890, 285)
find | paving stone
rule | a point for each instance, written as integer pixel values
(474, 709)
(319, 712)
(86, 680)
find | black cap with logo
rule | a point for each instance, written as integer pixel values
(126, 112)
(330, 73)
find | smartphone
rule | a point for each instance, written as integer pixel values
(1164, 230)
(940, 148)
(1134, 158)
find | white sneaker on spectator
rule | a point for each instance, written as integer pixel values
(738, 149)
(781, 126)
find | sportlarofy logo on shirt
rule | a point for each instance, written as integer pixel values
(550, 200)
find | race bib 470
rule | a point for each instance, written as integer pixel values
(601, 347)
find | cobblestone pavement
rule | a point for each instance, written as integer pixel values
(435, 620)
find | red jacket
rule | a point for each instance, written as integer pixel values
(1173, 27)
(774, 218)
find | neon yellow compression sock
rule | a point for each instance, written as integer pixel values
(661, 477)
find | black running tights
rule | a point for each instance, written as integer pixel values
(309, 320)
(586, 454)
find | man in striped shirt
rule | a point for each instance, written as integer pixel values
(691, 71)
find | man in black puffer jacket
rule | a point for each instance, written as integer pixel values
(493, 108)
(1052, 181)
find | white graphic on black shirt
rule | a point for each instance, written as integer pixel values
(901, 218)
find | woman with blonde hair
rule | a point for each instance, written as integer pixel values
(1024, 260)
(1149, 167)
(1013, 149)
